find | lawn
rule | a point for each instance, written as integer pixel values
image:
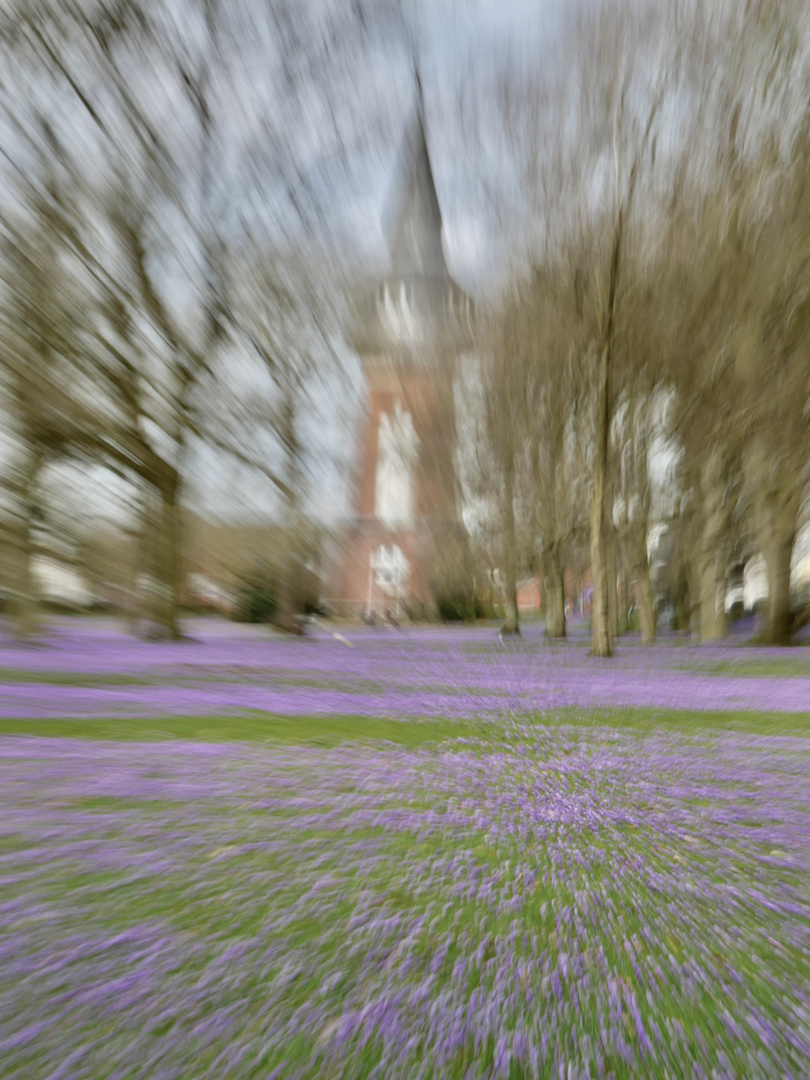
(518, 886)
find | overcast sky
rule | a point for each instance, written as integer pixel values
(457, 42)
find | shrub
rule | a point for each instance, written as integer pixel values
(257, 599)
(460, 605)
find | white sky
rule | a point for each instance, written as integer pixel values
(456, 41)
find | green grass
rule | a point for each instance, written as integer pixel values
(71, 678)
(190, 675)
(685, 721)
(782, 667)
(327, 731)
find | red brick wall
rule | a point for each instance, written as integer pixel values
(418, 393)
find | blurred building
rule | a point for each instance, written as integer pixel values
(529, 595)
(60, 584)
(405, 534)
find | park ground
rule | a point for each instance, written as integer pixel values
(415, 853)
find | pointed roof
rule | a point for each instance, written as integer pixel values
(418, 304)
(414, 218)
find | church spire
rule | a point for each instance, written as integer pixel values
(415, 218)
(417, 305)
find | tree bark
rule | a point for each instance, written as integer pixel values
(554, 583)
(778, 552)
(778, 502)
(624, 596)
(613, 582)
(24, 606)
(683, 604)
(600, 616)
(132, 612)
(290, 605)
(174, 582)
(646, 608)
(710, 570)
(709, 628)
(512, 616)
(712, 619)
(692, 604)
(163, 600)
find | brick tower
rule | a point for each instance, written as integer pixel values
(406, 528)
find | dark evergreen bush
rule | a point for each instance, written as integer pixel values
(257, 600)
(459, 605)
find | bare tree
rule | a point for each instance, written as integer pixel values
(289, 309)
(504, 405)
(546, 328)
(151, 191)
(740, 238)
(585, 150)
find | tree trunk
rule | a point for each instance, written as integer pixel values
(712, 620)
(778, 553)
(600, 631)
(174, 567)
(512, 617)
(692, 600)
(777, 505)
(601, 504)
(549, 605)
(600, 614)
(613, 582)
(554, 582)
(166, 570)
(646, 608)
(625, 598)
(710, 569)
(133, 602)
(290, 606)
(24, 606)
